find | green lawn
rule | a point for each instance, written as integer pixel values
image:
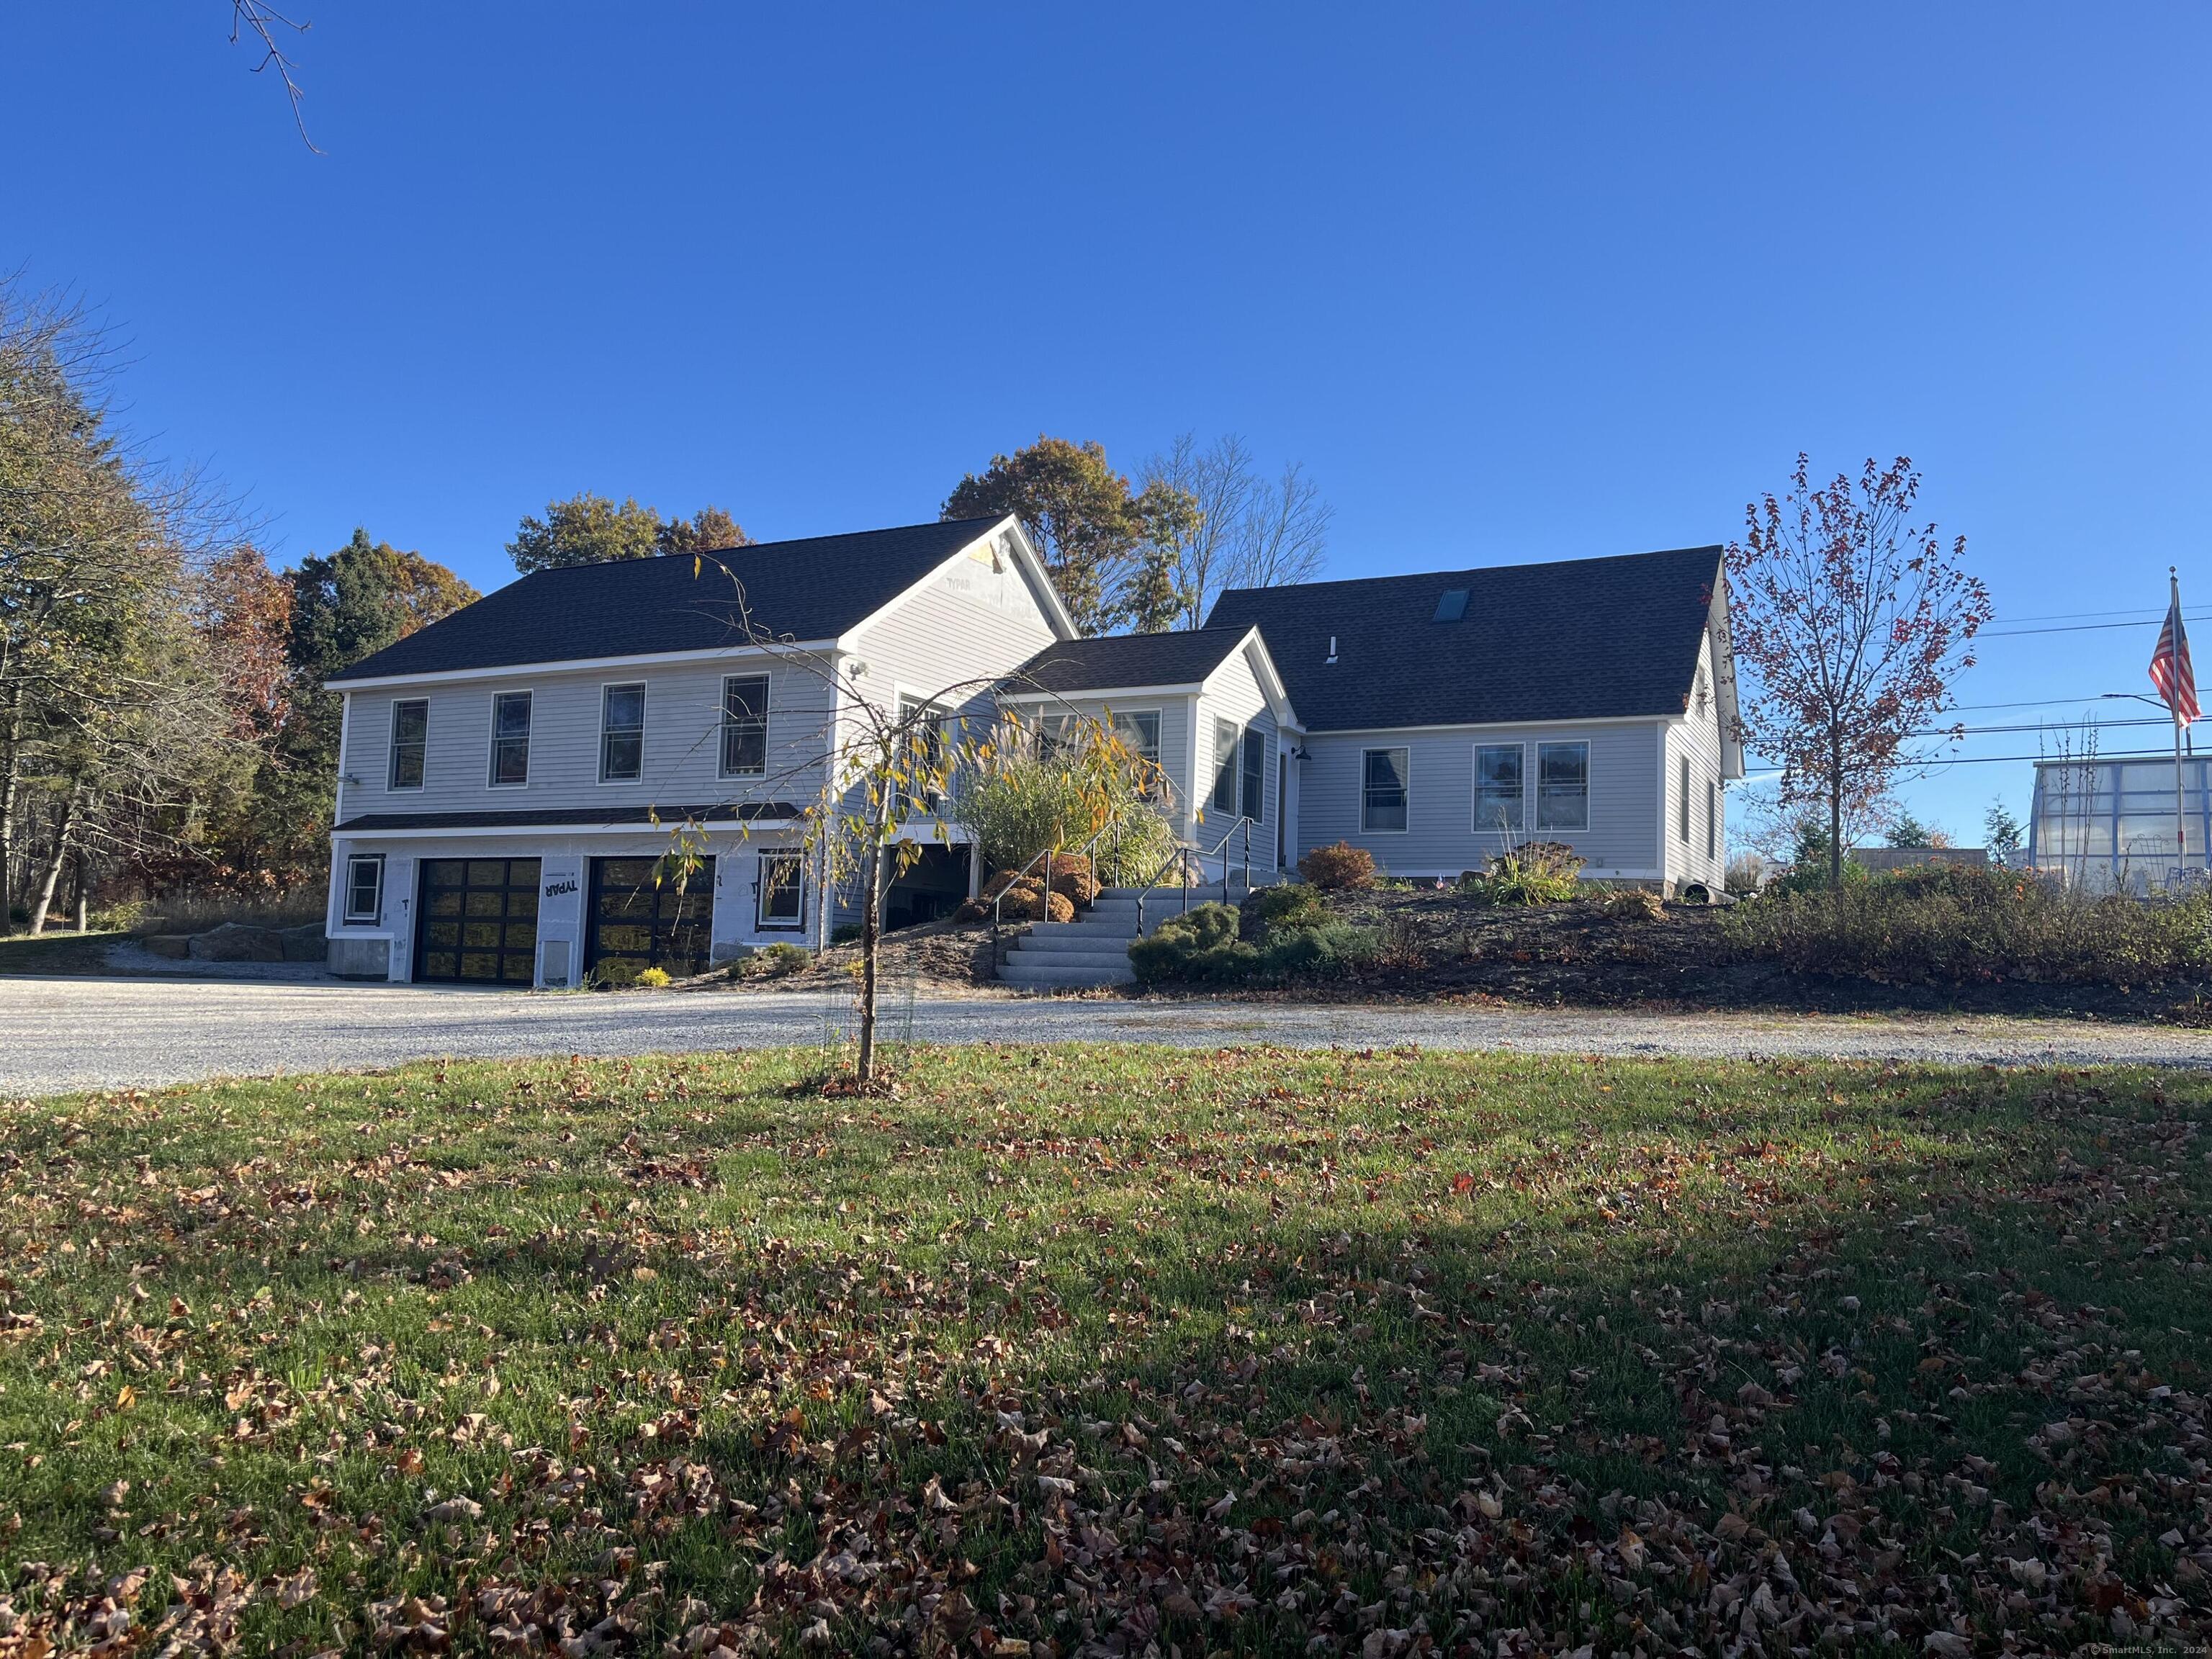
(1119, 1349)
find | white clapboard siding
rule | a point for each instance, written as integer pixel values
(1232, 693)
(1440, 838)
(683, 741)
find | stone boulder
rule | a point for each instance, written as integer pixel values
(176, 945)
(237, 941)
(305, 943)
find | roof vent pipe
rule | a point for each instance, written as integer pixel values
(1332, 647)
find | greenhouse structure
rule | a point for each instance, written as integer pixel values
(2106, 822)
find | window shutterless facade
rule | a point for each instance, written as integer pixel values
(1384, 776)
(780, 893)
(1223, 798)
(924, 760)
(744, 725)
(622, 732)
(1140, 732)
(510, 738)
(1255, 787)
(1499, 789)
(1562, 786)
(411, 739)
(364, 888)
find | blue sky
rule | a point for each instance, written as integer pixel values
(1514, 282)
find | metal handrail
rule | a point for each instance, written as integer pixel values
(1183, 853)
(1087, 853)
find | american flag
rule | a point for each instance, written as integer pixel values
(2169, 666)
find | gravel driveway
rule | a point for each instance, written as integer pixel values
(79, 1033)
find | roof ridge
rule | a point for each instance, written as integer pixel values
(1714, 548)
(762, 547)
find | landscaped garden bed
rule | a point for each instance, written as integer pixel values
(1600, 951)
(1076, 1351)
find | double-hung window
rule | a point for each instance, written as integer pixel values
(1498, 794)
(1223, 798)
(1382, 787)
(1682, 795)
(622, 732)
(1562, 786)
(744, 725)
(923, 762)
(411, 738)
(1255, 775)
(510, 738)
(781, 893)
(364, 888)
(1140, 733)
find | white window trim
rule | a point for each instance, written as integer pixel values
(1405, 749)
(1110, 715)
(760, 923)
(1476, 824)
(491, 752)
(946, 715)
(392, 749)
(645, 692)
(722, 722)
(1685, 775)
(1236, 767)
(348, 915)
(1251, 738)
(1536, 826)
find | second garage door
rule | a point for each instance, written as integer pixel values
(635, 925)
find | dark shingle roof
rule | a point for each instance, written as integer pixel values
(813, 589)
(1582, 638)
(1125, 660)
(541, 817)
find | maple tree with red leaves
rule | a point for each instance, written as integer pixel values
(1851, 623)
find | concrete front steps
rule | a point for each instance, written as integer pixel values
(1093, 949)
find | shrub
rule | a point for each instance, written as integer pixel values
(1961, 924)
(1634, 904)
(1539, 872)
(1070, 876)
(1198, 945)
(1338, 869)
(1746, 873)
(654, 978)
(1291, 932)
(1027, 901)
(771, 961)
(1290, 906)
(845, 932)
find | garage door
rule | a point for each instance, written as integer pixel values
(477, 921)
(635, 925)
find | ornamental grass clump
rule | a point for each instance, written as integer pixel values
(1960, 925)
(1020, 796)
(1536, 873)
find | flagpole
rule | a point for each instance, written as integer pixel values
(2173, 701)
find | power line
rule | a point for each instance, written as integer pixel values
(2076, 628)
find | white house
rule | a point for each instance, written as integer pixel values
(509, 773)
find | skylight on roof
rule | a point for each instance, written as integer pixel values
(1452, 606)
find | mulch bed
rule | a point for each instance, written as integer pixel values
(1438, 944)
(1442, 946)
